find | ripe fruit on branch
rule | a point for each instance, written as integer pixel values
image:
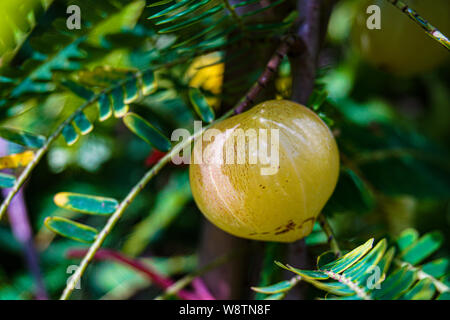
(401, 46)
(276, 200)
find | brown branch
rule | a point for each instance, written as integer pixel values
(267, 75)
(311, 30)
(159, 280)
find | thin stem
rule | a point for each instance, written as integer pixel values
(349, 283)
(186, 280)
(159, 280)
(432, 31)
(156, 168)
(330, 235)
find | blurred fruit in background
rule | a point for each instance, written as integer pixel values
(206, 72)
(401, 46)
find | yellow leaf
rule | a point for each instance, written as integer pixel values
(16, 160)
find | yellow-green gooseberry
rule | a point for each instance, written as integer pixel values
(246, 201)
(401, 46)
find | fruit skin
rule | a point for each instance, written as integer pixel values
(280, 207)
(401, 46)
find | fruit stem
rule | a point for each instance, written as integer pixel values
(330, 234)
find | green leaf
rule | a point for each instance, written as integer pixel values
(316, 237)
(23, 138)
(118, 104)
(7, 180)
(444, 296)
(149, 84)
(86, 203)
(407, 238)
(277, 296)
(310, 274)
(423, 290)
(201, 105)
(351, 195)
(104, 107)
(183, 13)
(82, 123)
(361, 270)
(193, 20)
(317, 98)
(349, 259)
(147, 132)
(16, 160)
(159, 3)
(437, 268)
(275, 288)
(131, 91)
(70, 134)
(170, 9)
(423, 248)
(71, 229)
(394, 285)
(79, 90)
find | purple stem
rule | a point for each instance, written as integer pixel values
(20, 226)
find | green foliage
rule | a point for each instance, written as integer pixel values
(71, 229)
(130, 60)
(375, 272)
(201, 106)
(85, 203)
(147, 132)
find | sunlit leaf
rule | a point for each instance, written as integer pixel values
(148, 81)
(118, 104)
(86, 203)
(131, 91)
(82, 123)
(104, 107)
(349, 259)
(275, 288)
(16, 160)
(407, 238)
(71, 229)
(70, 134)
(147, 132)
(201, 105)
(423, 248)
